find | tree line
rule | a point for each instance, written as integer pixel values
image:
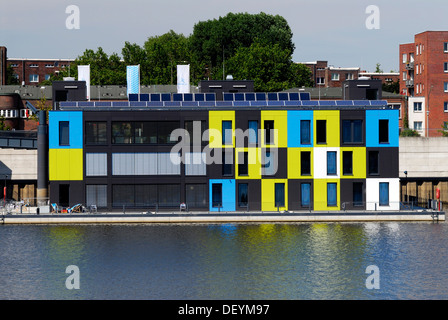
(255, 47)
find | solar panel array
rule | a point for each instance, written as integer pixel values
(251, 103)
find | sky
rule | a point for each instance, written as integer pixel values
(342, 32)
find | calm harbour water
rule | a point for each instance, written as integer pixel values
(229, 261)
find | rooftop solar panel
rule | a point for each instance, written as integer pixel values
(228, 97)
(224, 103)
(241, 103)
(283, 96)
(239, 96)
(67, 104)
(85, 104)
(206, 103)
(133, 97)
(294, 103)
(310, 102)
(276, 103)
(249, 96)
(305, 96)
(257, 103)
(144, 97)
(166, 96)
(210, 97)
(120, 104)
(155, 104)
(327, 103)
(171, 103)
(378, 103)
(261, 96)
(137, 103)
(103, 104)
(199, 97)
(272, 96)
(188, 97)
(344, 103)
(190, 104)
(155, 97)
(177, 97)
(361, 103)
(294, 96)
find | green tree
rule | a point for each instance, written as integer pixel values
(269, 66)
(11, 77)
(104, 69)
(163, 54)
(213, 42)
(393, 87)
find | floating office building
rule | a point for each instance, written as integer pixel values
(246, 152)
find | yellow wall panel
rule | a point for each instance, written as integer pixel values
(333, 131)
(268, 194)
(254, 160)
(359, 163)
(215, 128)
(65, 164)
(294, 163)
(320, 194)
(280, 119)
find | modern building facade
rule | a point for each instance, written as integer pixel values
(424, 80)
(257, 152)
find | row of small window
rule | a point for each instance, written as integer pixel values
(35, 77)
(24, 113)
(418, 106)
(158, 132)
(305, 194)
(335, 77)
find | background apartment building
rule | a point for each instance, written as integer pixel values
(424, 80)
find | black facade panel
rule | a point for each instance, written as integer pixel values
(295, 194)
(347, 201)
(254, 195)
(353, 115)
(388, 165)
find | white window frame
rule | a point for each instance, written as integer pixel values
(320, 78)
(445, 106)
(445, 47)
(445, 67)
(445, 86)
(417, 106)
(405, 57)
(335, 76)
(35, 78)
(418, 125)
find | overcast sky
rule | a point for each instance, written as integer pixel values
(332, 30)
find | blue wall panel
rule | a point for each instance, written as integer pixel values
(75, 129)
(372, 127)
(294, 118)
(228, 194)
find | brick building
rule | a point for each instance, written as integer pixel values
(3, 66)
(424, 80)
(34, 71)
(327, 76)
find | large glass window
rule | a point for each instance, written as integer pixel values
(331, 163)
(279, 195)
(96, 195)
(154, 196)
(269, 167)
(122, 133)
(321, 131)
(384, 193)
(305, 163)
(243, 194)
(216, 195)
(64, 133)
(196, 127)
(305, 131)
(196, 195)
(352, 131)
(96, 133)
(305, 196)
(332, 194)
(143, 132)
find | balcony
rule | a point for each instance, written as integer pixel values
(410, 83)
(410, 66)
